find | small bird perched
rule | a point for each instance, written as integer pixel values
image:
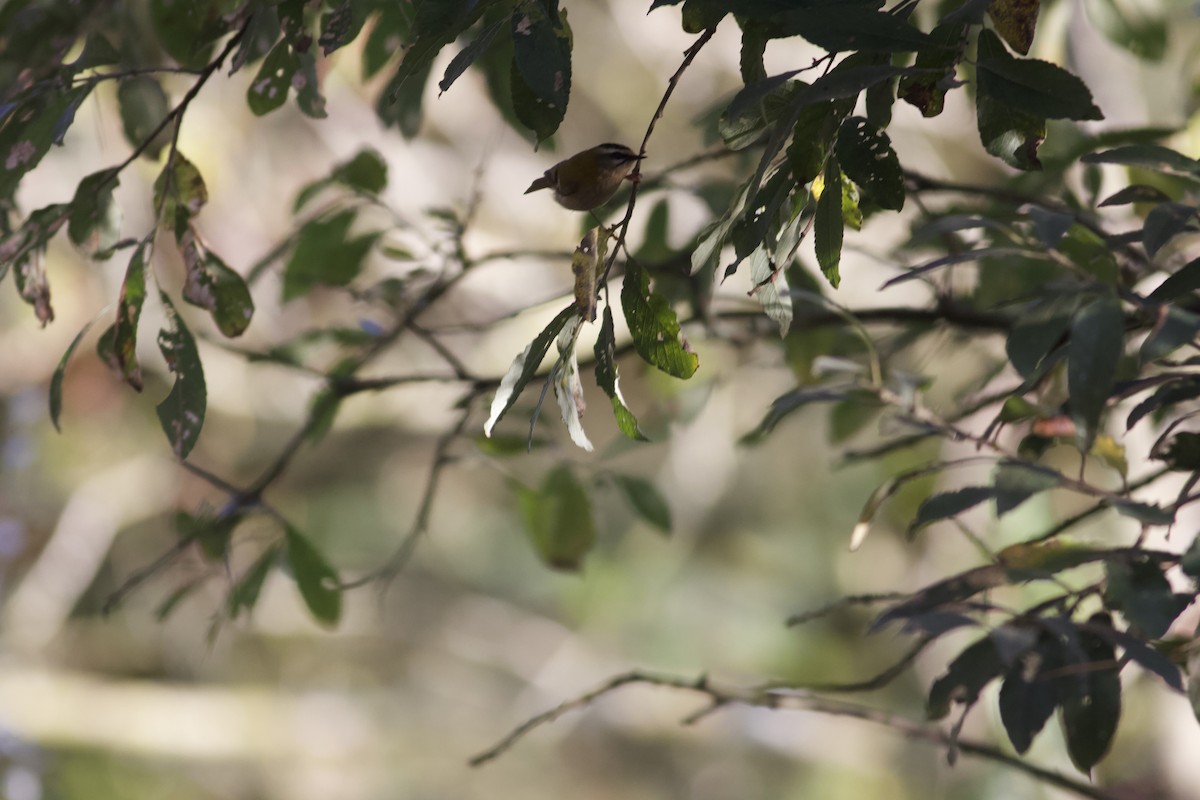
(588, 179)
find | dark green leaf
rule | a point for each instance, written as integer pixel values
(244, 594)
(326, 254)
(926, 87)
(1029, 695)
(129, 312)
(1190, 563)
(1031, 86)
(646, 500)
(143, 105)
(181, 414)
(1010, 133)
(1091, 706)
(1140, 591)
(846, 26)
(785, 404)
(1097, 342)
(468, 55)
(949, 504)
(1172, 393)
(607, 377)
(387, 38)
(30, 129)
(322, 412)
(1184, 452)
(1015, 482)
(654, 326)
(558, 518)
(812, 138)
(187, 30)
(1164, 222)
(542, 61)
(1173, 329)
(94, 224)
(865, 154)
(1145, 513)
(1148, 156)
(366, 172)
(965, 678)
(1180, 283)
(316, 580)
(828, 225)
(56, 381)
(401, 102)
(269, 89)
(1137, 193)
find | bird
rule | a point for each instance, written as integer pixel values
(590, 178)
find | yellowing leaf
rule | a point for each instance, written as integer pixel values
(1015, 21)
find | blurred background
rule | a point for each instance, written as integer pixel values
(476, 635)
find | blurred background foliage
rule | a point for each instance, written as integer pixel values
(476, 635)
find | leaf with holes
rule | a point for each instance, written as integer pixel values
(181, 414)
(866, 156)
(654, 326)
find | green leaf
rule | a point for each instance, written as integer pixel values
(129, 312)
(925, 87)
(317, 581)
(269, 89)
(1184, 452)
(215, 287)
(524, 367)
(607, 378)
(1031, 86)
(400, 103)
(828, 225)
(1015, 482)
(542, 60)
(1141, 592)
(188, 30)
(1039, 331)
(179, 186)
(967, 675)
(1145, 513)
(143, 106)
(865, 155)
(435, 25)
(1164, 222)
(1010, 133)
(1180, 283)
(29, 129)
(1173, 329)
(1148, 156)
(848, 26)
(95, 220)
(1097, 343)
(1029, 694)
(56, 381)
(469, 54)
(812, 138)
(558, 518)
(244, 594)
(181, 414)
(947, 505)
(646, 500)
(325, 254)
(654, 326)
(1091, 706)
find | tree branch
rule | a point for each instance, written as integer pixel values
(720, 695)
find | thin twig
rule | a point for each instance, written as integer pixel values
(720, 696)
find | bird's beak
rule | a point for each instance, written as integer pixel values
(541, 183)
